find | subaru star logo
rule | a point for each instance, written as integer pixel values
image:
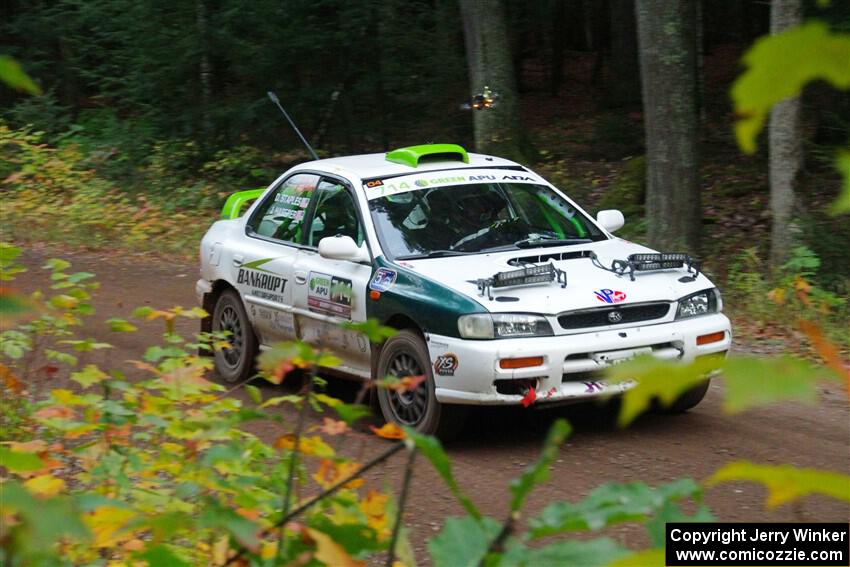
(615, 317)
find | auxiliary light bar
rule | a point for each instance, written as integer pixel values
(654, 262)
(524, 276)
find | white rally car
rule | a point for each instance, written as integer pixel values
(498, 284)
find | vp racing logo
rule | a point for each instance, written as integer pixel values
(610, 296)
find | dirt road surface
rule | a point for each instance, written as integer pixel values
(498, 443)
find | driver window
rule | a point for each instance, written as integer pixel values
(335, 214)
(281, 216)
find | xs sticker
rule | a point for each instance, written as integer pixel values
(383, 279)
(446, 364)
(610, 296)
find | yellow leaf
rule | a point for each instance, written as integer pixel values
(388, 431)
(45, 485)
(35, 446)
(374, 506)
(786, 483)
(220, 550)
(331, 553)
(329, 473)
(308, 445)
(268, 550)
(777, 295)
(645, 558)
(106, 522)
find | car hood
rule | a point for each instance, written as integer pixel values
(587, 285)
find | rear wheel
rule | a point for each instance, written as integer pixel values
(235, 363)
(403, 355)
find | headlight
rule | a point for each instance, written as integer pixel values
(502, 326)
(700, 303)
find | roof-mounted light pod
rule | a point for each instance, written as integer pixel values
(414, 155)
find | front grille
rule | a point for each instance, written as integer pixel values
(598, 317)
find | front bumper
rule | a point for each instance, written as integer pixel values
(570, 362)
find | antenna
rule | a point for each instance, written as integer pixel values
(274, 99)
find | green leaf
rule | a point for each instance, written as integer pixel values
(57, 264)
(538, 471)
(291, 398)
(13, 75)
(672, 512)
(645, 558)
(19, 462)
(842, 204)
(786, 483)
(142, 312)
(350, 413)
(778, 66)
(610, 504)
(162, 556)
(216, 516)
(121, 326)
(656, 379)
(433, 450)
(592, 553)
(463, 541)
(374, 331)
(254, 393)
(89, 375)
(44, 521)
(752, 381)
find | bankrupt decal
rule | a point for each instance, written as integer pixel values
(446, 364)
(383, 280)
(261, 280)
(329, 294)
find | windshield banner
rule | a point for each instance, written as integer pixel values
(377, 188)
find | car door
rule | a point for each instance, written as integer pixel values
(263, 267)
(328, 293)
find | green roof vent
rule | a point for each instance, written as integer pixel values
(414, 155)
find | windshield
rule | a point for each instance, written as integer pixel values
(478, 217)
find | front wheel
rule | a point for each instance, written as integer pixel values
(235, 363)
(688, 399)
(403, 355)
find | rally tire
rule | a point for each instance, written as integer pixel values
(689, 399)
(405, 354)
(234, 364)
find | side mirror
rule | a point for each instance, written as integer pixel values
(610, 219)
(342, 248)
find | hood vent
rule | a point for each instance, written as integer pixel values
(538, 258)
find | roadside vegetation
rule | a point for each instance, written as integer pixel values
(156, 466)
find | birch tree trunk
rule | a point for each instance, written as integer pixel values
(667, 40)
(784, 146)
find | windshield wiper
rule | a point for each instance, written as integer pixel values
(433, 254)
(541, 242)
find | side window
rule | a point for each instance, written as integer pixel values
(281, 216)
(335, 213)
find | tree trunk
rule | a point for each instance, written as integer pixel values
(624, 80)
(204, 68)
(497, 130)
(785, 152)
(667, 39)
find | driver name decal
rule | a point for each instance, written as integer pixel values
(610, 296)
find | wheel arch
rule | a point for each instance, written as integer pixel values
(208, 303)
